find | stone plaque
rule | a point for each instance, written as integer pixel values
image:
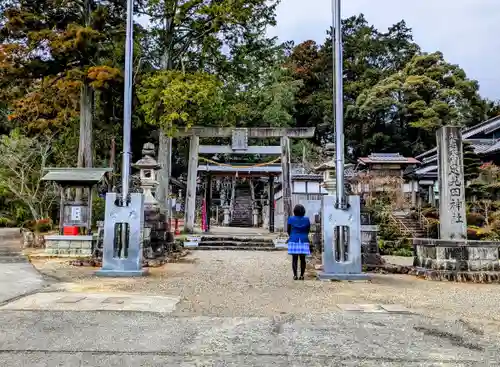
(240, 139)
(76, 213)
(451, 183)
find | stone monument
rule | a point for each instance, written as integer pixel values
(122, 242)
(452, 215)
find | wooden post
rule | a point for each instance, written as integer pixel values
(286, 180)
(271, 204)
(209, 200)
(89, 218)
(191, 184)
(61, 210)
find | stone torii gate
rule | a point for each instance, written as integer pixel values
(239, 145)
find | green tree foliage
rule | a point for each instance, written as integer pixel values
(22, 164)
(189, 35)
(173, 99)
(413, 103)
(210, 63)
(472, 162)
(369, 56)
(54, 45)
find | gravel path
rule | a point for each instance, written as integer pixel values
(233, 283)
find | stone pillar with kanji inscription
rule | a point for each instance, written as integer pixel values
(452, 216)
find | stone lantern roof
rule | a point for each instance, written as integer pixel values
(146, 162)
(330, 163)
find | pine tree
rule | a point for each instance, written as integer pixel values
(472, 162)
(54, 56)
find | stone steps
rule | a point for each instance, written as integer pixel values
(237, 243)
(242, 209)
(411, 225)
(242, 238)
(241, 243)
(241, 224)
(238, 248)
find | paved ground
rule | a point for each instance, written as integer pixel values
(232, 283)
(331, 339)
(65, 301)
(17, 276)
(17, 279)
(244, 309)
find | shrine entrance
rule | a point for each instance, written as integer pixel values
(236, 195)
(240, 145)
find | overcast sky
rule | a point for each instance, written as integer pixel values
(466, 31)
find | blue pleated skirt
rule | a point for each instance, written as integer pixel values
(299, 248)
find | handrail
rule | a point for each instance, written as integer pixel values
(424, 222)
(401, 224)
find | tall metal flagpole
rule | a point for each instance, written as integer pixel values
(338, 95)
(127, 109)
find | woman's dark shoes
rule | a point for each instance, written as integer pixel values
(295, 277)
(301, 277)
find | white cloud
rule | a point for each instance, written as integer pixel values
(466, 31)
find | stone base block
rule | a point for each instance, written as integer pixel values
(484, 277)
(121, 273)
(457, 260)
(334, 276)
(68, 246)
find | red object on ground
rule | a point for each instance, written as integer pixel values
(177, 229)
(204, 216)
(70, 231)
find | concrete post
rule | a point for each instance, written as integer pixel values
(413, 187)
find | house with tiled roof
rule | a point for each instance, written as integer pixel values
(484, 139)
(379, 172)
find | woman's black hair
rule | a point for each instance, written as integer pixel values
(299, 210)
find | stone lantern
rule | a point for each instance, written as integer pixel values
(328, 169)
(147, 166)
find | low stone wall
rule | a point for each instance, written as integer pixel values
(457, 260)
(69, 246)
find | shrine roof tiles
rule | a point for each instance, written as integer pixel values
(480, 145)
(494, 148)
(387, 158)
(75, 175)
(424, 170)
(485, 127)
(234, 169)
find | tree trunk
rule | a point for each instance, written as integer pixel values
(165, 162)
(85, 142)
(86, 111)
(165, 140)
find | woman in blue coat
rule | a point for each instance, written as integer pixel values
(298, 241)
